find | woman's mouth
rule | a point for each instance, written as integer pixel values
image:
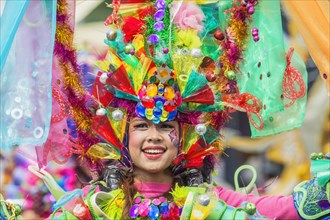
(153, 153)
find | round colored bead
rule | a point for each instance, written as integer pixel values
(134, 211)
(169, 93)
(163, 208)
(171, 115)
(150, 117)
(169, 106)
(132, 52)
(251, 10)
(159, 104)
(111, 35)
(210, 76)
(163, 73)
(164, 114)
(153, 212)
(170, 82)
(156, 201)
(149, 111)
(256, 38)
(138, 199)
(219, 35)
(140, 110)
(147, 102)
(152, 90)
(250, 208)
(231, 75)
(128, 48)
(143, 209)
(157, 112)
(162, 119)
(153, 79)
(313, 156)
(156, 120)
(255, 30)
(165, 50)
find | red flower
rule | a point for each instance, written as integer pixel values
(131, 27)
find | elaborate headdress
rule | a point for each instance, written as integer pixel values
(176, 60)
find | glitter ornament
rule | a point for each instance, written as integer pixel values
(128, 48)
(117, 115)
(219, 35)
(111, 35)
(103, 78)
(101, 111)
(152, 90)
(250, 208)
(200, 129)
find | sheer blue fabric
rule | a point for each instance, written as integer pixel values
(28, 34)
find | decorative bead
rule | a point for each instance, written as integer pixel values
(172, 114)
(250, 208)
(153, 212)
(163, 208)
(210, 76)
(219, 35)
(325, 76)
(165, 50)
(140, 110)
(128, 48)
(159, 26)
(101, 111)
(152, 90)
(117, 115)
(160, 4)
(170, 82)
(156, 201)
(159, 15)
(169, 106)
(204, 200)
(231, 75)
(156, 121)
(169, 93)
(196, 53)
(200, 129)
(157, 112)
(103, 78)
(149, 111)
(111, 35)
(153, 39)
(256, 38)
(251, 10)
(313, 156)
(132, 52)
(134, 211)
(143, 209)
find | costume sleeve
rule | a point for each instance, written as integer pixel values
(279, 207)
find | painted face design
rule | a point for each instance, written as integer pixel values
(174, 137)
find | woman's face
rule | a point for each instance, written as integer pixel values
(152, 147)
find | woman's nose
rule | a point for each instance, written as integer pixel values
(154, 135)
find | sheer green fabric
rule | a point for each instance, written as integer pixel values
(263, 69)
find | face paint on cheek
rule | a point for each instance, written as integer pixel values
(174, 137)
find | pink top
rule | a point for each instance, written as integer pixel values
(279, 207)
(150, 190)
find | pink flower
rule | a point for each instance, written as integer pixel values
(189, 15)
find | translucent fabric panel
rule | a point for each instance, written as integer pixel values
(27, 70)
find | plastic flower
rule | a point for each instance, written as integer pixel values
(187, 39)
(179, 194)
(189, 15)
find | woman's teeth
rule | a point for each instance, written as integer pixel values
(153, 151)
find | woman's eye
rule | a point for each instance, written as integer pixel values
(167, 126)
(142, 125)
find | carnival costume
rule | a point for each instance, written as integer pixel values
(190, 61)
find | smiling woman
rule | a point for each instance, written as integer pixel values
(152, 149)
